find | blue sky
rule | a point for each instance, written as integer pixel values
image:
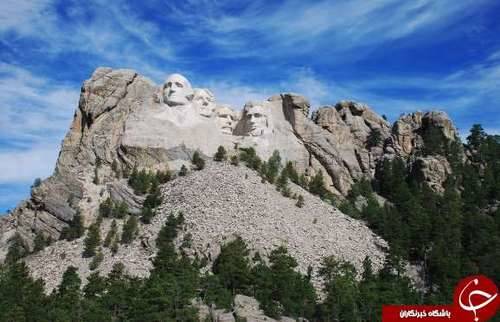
(397, 56)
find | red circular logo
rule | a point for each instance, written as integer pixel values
(476, 299)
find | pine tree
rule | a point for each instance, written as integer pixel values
(75, 228)
(250, 158)
(221, 154)
(476, 137)
(300, 201)
(40, 242)
(147, 215)
(233, 266)
(368, 297)
(213, 291)
(273, 167)
(111, 235)
(154, 198)
(129, 230)
(303, 182)
(317, 185)
(173, 282)
(280, 283)
(115, 246)
(97, 260)
(17, 249)
(341, 289)
(92, 240)
(21, 297)
(120, 210)
(291, 172)
(374, 138)
(95, 287)
(164, 176)
(282, 182)
(198, 161)
(183, 171)
(106, 208)
(66, 301)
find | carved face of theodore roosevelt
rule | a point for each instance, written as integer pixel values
(177, 91)
(226, 119)
(256, 119)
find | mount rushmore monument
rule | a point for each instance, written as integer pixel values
(125, 121)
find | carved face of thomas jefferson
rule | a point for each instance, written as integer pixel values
(177, 91)
(205, 101)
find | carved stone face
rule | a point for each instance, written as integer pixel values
(205, 101)
(177, 90)
(226, 119)
(255, 118)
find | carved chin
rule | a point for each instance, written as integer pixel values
(256, 132)
(227, 130)
(176, 102)
(206, 112)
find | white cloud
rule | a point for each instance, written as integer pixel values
(235, 94)
(26, 165)
(295, 26)
(305, 82)
(115, 35)
(36, 112)
(20, 14)
(33, 108)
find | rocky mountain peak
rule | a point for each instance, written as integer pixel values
(410, 130)
(124, 121)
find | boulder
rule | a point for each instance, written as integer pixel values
(409, 130)
(119, 191)
(433, 171)
(249, 308)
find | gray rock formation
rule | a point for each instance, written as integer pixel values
(433, 171)
(124, 121)
(409, 130)
(119, 191)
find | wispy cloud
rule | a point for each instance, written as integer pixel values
(34, 109)
(36, 112)
(23, 166)
(298, 27)
(109, 31)
(235, 94)
(470, 95)
(19, 14)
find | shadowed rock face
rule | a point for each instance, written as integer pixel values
(408, 131)
(124, 121)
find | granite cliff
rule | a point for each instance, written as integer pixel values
(125, 121)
